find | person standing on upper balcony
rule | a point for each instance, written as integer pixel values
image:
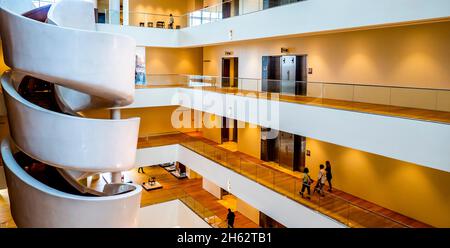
(171, 21)
(329, 175)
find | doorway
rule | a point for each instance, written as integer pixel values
(286, 74)
(230, 73)
(283, 149)
(230, 8)
(266, 222)
(229, 130)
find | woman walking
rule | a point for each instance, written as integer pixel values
(329, 175)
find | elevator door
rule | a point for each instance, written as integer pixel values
(288, 74)
(301, 76)
(230, 73)
(230, 8)
(284, 74)
(286, 151)
(229, 131)
(271, 73)
(269, 145)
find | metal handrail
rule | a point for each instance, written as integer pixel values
(311, 82)
(256, 180)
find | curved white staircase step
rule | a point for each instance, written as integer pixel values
(33, 204)
(95, 63)
(69, 142)
(89, 69)
(72, 101)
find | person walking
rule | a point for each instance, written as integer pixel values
(306, 183)
(230, 218)
(171, 21)
(141, 169)
(321, 178)
(329, 175)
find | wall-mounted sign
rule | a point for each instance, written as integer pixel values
(284, 50)
(228, 53)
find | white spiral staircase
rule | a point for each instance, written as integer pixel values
(82, 69)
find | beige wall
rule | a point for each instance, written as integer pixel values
(191, 174)
(174, 60)
(156, 120)
(247, 210)
(212, 188)
(210, 3)
(214, 132)
(415, 191)
(416, 56)
(102, 4)
(249, 139)
(195, 5)
(176, 7)
(160, 9)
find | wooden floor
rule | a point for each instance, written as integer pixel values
(379, 109)
(346, 208)
(189, 191)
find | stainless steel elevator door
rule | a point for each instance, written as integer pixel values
(288, 70)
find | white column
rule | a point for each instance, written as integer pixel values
(114, 12)
(126, 12)
(115, 114)
(116, 177)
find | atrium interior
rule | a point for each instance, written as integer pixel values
(165, 113)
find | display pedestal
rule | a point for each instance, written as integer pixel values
(153, 186)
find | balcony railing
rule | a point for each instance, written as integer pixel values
(209, 14)
(331, 205)
(409, 102)
(179, 194)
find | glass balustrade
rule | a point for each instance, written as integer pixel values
(331, 205)
(179, 194)
(408, 102)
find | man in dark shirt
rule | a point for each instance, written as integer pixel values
(230, 218)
